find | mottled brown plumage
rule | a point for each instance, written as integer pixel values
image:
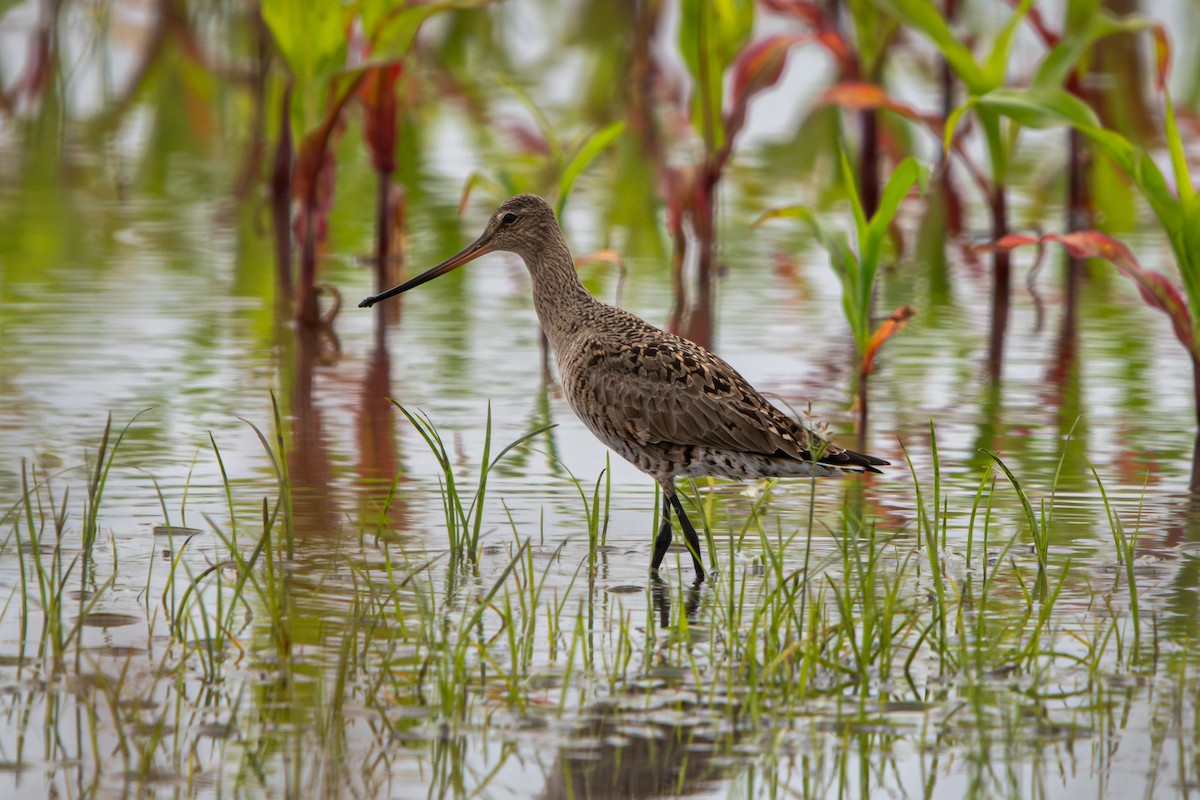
(665, 404)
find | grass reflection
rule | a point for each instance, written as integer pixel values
(966, 656)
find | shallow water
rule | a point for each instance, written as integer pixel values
(136, 283)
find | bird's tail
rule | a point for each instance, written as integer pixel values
(850, 461)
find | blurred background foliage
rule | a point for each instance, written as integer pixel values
(315, 128)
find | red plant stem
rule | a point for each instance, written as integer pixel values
(700, 318)
(946, 78)
(868, 163)
(281, 198)
(699, 325)
(868, 193)
(1001, 284)
(678, 286)
(307, 312)
(710, 136)
(643, 71)
(1194, 485)
(383, 225)
(1078, 219)
(946, 81)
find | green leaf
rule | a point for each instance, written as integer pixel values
(1080, 13)
(1188, 261)
(1070, 50)
(848, 269)
(899, 183)
(848, 178)
(873, 32)
(907, 174)
(1183, 176)
(924, 16)
(711, 33)
(1040, 107)
(1116, 146)
(855, 272)
(952, 125)
(801, 212)
(989, 120)
(1154, 186)
(734, 20)
(695, 45)
(997, 63)
(311, 35)
(592, 147)
(391, 28)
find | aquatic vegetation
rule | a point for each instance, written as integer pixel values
(857, 268)
(314, 42)
(344, 598)
(464, 523)
(713, 41)
(1176, 209)
(950, 637)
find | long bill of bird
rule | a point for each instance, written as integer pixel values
(481, 246)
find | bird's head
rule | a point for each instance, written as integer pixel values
(519, 225)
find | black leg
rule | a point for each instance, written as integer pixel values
(689, 536)
(660, 594)
(663, 540)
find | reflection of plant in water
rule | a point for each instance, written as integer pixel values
(346, 668)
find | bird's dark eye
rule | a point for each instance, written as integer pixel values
(509, 218)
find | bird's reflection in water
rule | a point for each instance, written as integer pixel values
(660, 596)
(617, 753)
(617, 756)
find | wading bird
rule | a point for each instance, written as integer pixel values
(666, 405)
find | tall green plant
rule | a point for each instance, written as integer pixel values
(464, 522)
(857, 265)
(979, 77)
(1177, 208)
(713, 37)
(314, 40)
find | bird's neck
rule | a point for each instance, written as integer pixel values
(559, 297)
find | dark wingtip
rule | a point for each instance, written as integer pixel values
(859, 461)
(367, 302)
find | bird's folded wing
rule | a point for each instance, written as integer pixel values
(673, 391)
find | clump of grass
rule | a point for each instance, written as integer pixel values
(842, 618)
(464, 522)
(901, 618)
